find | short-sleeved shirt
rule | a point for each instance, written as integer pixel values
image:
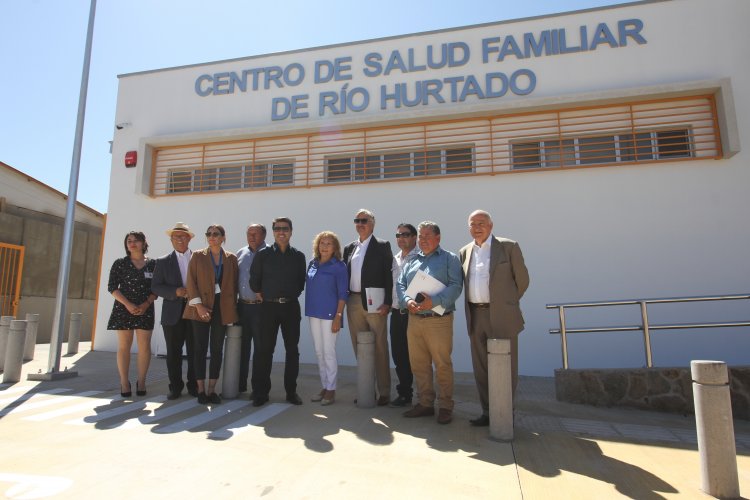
(135, 285)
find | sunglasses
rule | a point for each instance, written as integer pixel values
(282, 229)
(361, 221)
(215, 234)
(404, 235)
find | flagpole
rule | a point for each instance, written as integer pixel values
(61, 297)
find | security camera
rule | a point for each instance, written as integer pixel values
(122, 125)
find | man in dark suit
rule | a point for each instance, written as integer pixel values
(170, 278)
(369, 260)
(495, 278)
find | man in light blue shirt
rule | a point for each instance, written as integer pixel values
(430, 330)
(248, 305)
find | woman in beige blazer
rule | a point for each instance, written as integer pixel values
(212, 300)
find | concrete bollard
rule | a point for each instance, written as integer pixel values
(14, 351)
(500, 389)
(230, 386)
(32, 326)
(74, 332)
(365, 370)
(715, 428)
(4, 331)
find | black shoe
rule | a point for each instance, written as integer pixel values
(202, 398)
(260, 400)
(400, 402)
(192, 389)
(139, 392)
(129, 392)
(480, 421)
(294, 398)
(214, 399)
(173, 395)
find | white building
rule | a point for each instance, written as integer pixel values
(606, 142)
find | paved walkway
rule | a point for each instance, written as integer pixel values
(77, 438)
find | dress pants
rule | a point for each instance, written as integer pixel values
(274, 315)
(175, 336)
(250, 321)
(362, 321)
(325, 349)
(431, 342)
(400, 353)
(205, 334)
(481, 330)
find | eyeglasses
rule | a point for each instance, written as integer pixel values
(361, 221)
(404, 235)
(282, 229)
(214, 234)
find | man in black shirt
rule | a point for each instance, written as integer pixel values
(277, 276)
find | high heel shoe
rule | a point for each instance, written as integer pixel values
(138, 391)
(129, 393)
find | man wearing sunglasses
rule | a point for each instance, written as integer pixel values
(369, 260)
(406, 240)
(277, 276)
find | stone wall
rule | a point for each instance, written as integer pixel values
(661, 389)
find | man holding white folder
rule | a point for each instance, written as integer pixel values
(369, 260)
(428, 287)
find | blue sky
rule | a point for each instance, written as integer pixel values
(42, 48)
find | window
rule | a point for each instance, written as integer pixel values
(232, 177)
(641, 146)
(399, 164)
(180, 181)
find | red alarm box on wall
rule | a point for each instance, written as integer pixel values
(131, 158)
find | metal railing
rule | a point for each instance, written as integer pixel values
(645, 326)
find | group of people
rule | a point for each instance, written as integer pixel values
(259, 287)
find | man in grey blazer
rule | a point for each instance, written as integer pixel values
(170, 278)
(495, 278)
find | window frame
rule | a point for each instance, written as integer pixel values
(361, 166)
(547, 147)
(210, 178)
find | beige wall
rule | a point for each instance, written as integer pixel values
(41, 235)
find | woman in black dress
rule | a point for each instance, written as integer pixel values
(133, 310)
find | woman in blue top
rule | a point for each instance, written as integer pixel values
(326, 291)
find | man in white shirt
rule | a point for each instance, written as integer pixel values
(170, 278)
(369, 260)
(495, 279)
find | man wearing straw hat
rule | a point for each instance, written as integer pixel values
(170, 278)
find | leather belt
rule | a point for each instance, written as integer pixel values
(281, 300)
(432, 315)
(355, 293)
(257, 301)
(479, 305)
(400, 311)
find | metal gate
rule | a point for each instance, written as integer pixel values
(11, 267)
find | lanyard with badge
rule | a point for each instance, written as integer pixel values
(217, 270)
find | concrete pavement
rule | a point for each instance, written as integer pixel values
(77, 438)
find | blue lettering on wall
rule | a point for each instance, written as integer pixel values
(457, 89)
(429, 91)
(561, 41)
